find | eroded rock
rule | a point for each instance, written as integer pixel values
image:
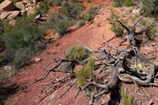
(13, 14)
(20, 5)
(4, 15)
(6, 5)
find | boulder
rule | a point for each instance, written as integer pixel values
(13, 14)
(12, 22)
(6, 5)
(37, 17)
(37, 60)
(20, 5)
(36, 1)
(4, 15)
(7, 68)
(30, 10)
(22, 12)
(136, 11)
(27, 2)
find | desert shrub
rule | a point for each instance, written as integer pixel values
(146, 22)
(84, 74)
(128, 3)
(23, 36)
(150, 7)
(3, 74)
(21, 56)
(77, 52)
(118, 3)
(58, 2)
(116, 27)
(71, 10)
(117, 30)
(89, 1)
(80, 23)
(42, 8)
(87, 16)
(125, 99)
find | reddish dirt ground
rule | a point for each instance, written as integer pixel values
(90, 35)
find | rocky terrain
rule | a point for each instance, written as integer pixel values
(52, 92)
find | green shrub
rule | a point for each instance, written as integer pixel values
(61, 25)
(118, 3)
(116, 27)
(84, 74)
(42, 8)
(128, 3)
(89, 1)
(71, 10)
(87, 16)
(125, 99)
(58, 2)
(21, 56)
(80, 23)
(77, 52)
(117, 30)
(150, 7)
(22, 37)
(3, 75)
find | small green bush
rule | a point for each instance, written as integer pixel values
(125, 99)
(80, 23)
(84, 74)
(116, 27)
(117, 30)
(42, 8)
(86, 16)
(89, 1)
(58, 2)
(21, 56)
(3, 75)
(77, 52)
(118, 3)
(128, 3)
(71, 10)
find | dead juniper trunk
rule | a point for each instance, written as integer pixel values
(120, 71)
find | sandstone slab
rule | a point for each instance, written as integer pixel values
(6, 5)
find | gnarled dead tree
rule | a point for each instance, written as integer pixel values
(121, 70)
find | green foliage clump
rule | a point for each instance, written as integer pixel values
(89, 1)
(150, 7)
(80, 23)
(84, 74)
(3, 74)
(71, 10)
(118, 3)
(59, 24)
(86, 16)
(58, 2)
(128, 3)
(42, 8)
(20, 38)
(21, 56)
(77, 52)
(116, 27)
(125, 99)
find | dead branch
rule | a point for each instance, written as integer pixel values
(120, 72)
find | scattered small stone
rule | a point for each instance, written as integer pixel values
(7, 68)
(37, 60)
(54, 52)
(7, 5)
(37, 17)
(57, 44)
